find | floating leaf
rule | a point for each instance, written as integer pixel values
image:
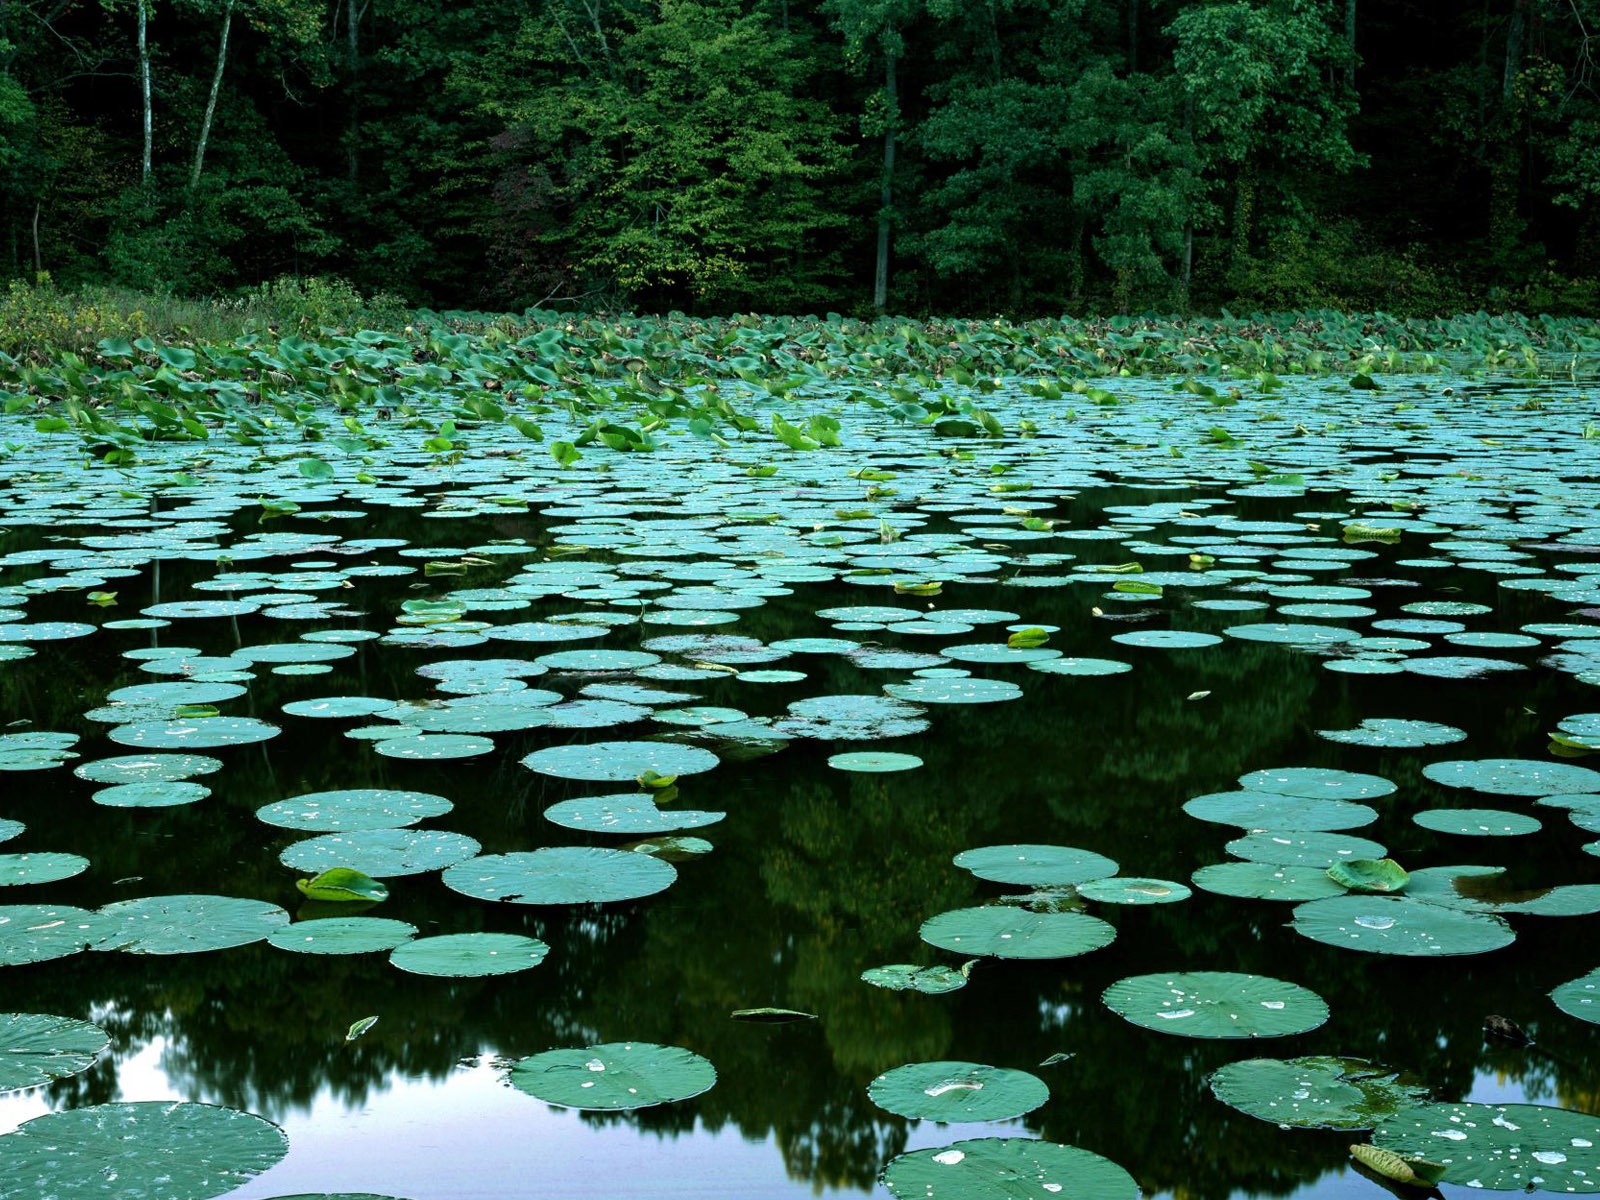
(340, 885)
(957, 1092)
(1006, 1169)
(1216, 1004)
(1401, 1168)
(561, 875)
(905, 977)
(36, 1048)
(776, 1016)
(1399, 925)
(469, 955)
(1002, 931)
(359, 1027)
(1500, 1147)
(614, 1076)
(1369, 875)
(1323, 1092)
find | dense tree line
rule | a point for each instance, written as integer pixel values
(1023, 156)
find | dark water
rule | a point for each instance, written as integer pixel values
(816, 875)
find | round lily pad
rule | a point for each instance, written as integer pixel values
(615, 762)
(145, 1150)
(469, 955)
(147, 768)
(1003, 931)
(155, 794)
(352, 809)
(1216, 1004)
(10, 829)
(614, 1076)
(1322, 1092)
(1580, 997)
(627, 812)
(31, 933)
(875, 762)
(1317, 782)
(188, 924)
(1006, 1169)
(1036, 866)
(335, 707)
(1514, 776)
(1081, 666)
(1167, 639)
(953, 691)
(383, 853)
(37, 1048)
(1290, 848)
(1500, 1147)
(1269, 810)
(1400, 925)
(957, 1091)
(1396, 733)
(907, 977)
(40, 867)
(1266, 881)
(1477, 822)
(200, 734)
(434, 746)
(341, 935)
(1133, 889)
(561, 875)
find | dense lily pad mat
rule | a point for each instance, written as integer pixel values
(1005, 1169)
(149, 1150)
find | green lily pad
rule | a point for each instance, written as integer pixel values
(10, 829)
(147, 768)
(1006, 1169)
(1036, 866)
(626, 812)
(1399, 925)
(469, 955)
(202, 734)
(433, 747)
(1081, 666)
(1500, 1147)
(341, 935)
(1477, 822)
(618, 762)
(561, 875)
(337, 707)
(957, 1092)
(1369, 875)
(188, 924)
(1216, 1004)
(155, 794)
(383, 853)
(874, 762)
(46, 867)
(1317, 782)
(1514, 776)
(36, 1048)
(1271, 810)
(1580, 997)
(1004, 931)
(614, 1076)
(1290, 848)
(146, 1150)
(1133, 889)
(1322, 1092)
(1266, 881)
(1396, 733)
(351, 809)
(1167, 639)
(906, 977)
(31, 933)
(340, 885)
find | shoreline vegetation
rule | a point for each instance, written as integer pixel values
(43, 325)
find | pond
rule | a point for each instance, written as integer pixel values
(835, 804)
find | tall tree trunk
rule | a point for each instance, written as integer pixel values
(1516, 36)
(1350, 44)
(1188, 264)
(38, 259)
(1244, 203)
(1505, 152)
(211, 101)
(1132, 15)
(144, 89)
(352, 38)
(880, 281)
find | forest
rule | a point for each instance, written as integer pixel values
(960, 157)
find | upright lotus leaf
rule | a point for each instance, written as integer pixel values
(957, 1092)
(1001, 931)
(1006, 1169)
(145, 1150)
(1216, 1004)
(1400, 925)
(1322, 1092)
(1382, 875)
(341, 885)
(614, 1076)
(1036, 866)
(37, 1048)
(907, 977)
(188, 924)
(1500, 1147)
(561, 875)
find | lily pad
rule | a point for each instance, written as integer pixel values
(1133, 889)
(957, 1092)
(341, 935)
(145, 1150)
(1006, 1169)
(1267, 881)
(188, 924)
(1501, 1147)
(1391, 732)
(561, 875)
(32, 933)
(42, 867)
(1477, 822)
(1514, 776)
(340, 885)
(1369, 875)
(469, 955)
(1317, 782)
(36, 1048)
(626, 812)
(202, 734)
(352, 809)
(1580, 997)
(614, 1076)
(906, 977)
(874, 762)
(1399, 925)
(617, 762)
(1036, 866)
(1216, 1004)
(1270, 810)
(383, 853)
(1003, 931)
(1322, 1092)
(147, 768)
